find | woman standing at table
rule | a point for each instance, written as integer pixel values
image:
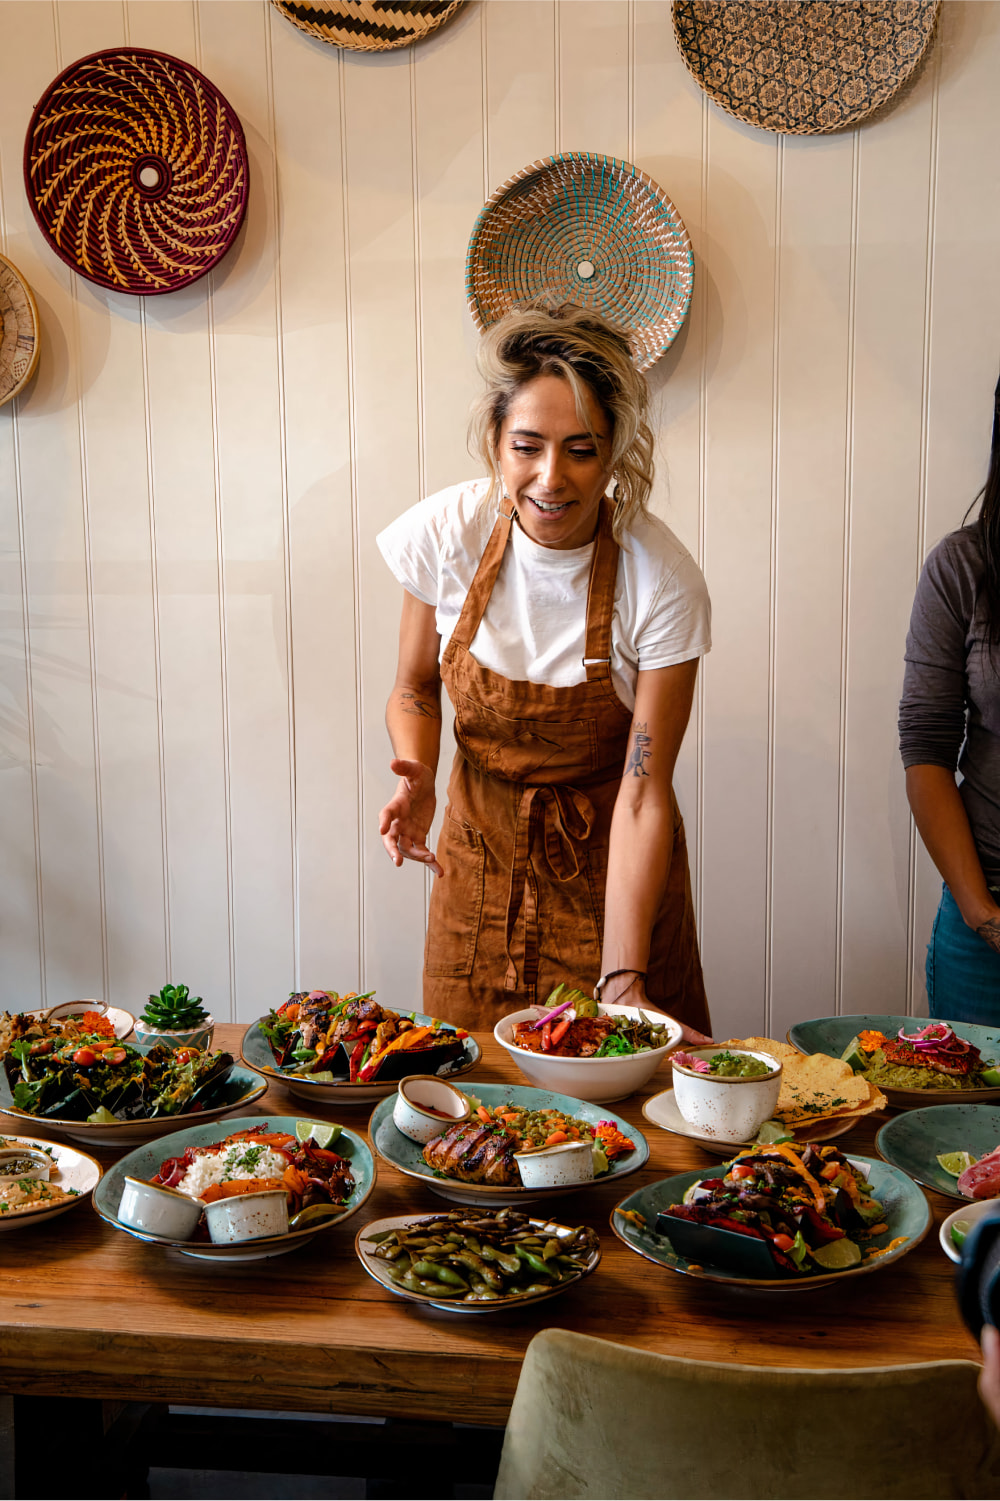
(949, 719)
(567, 626)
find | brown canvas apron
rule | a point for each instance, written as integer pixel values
(524, 846)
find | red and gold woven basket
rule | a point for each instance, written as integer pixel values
(136, 170)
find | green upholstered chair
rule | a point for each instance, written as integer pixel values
(591, 1418)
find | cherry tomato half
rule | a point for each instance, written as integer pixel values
(43, 1045)
(739, 1172)
(85, 1057)
(114, 1055)
(783, 1242)
(184, 1055)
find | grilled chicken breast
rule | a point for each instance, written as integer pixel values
(474, 1153)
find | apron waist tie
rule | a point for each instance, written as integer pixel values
(566, 817)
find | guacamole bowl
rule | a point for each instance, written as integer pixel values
(732, 1105)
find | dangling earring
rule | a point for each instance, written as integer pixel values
(615, 489)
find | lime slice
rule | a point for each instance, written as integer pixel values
(320, 1132)
(773, 1131)
(853, 1055)
(959, 1231)
(836, 1255)
(991, 1076)
(955, 1163)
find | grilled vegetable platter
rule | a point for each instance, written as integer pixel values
(108, 1092)
(322, 1045)
(162, 1161)
(741, 1218)
(472, 1162)
(467, 1261)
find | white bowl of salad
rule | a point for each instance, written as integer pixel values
(594, 1052)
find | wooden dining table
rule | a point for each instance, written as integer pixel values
(90, 1314)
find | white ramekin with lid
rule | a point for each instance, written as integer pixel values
(250, 1216)
(426, 1106)
(159, 1210)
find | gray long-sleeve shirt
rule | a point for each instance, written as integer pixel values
(949, 714)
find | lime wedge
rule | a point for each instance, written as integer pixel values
(955, 1163)
(853, 1055)
(320, 1132)
(836, 1255)
(959, 1231)
(773, 1131)
(991, 1077)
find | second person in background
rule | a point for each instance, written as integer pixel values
(567, 625)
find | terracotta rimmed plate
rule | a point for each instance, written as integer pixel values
(242, 1088)
(832, 1034)
(145, 1163)
(914, 1141)
(256, 1053)
(377, 1268)
(78, 1174)
(661, 1110)
(907, 1214)
(407, 1155)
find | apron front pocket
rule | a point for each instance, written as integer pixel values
(456, 900)
(525, 750)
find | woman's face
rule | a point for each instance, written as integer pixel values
(554, 472)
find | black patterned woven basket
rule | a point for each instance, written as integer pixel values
(19, 333)
(369, 25)
(587, 229)
(803, 67)
(136, 170)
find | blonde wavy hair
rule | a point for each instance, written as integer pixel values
(589, 354)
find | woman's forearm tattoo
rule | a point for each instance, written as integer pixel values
(639, 753)
(425, 708)
(989, 932)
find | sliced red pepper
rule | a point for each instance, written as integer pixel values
(547, 1037)
(357, 1054)
(559, 1030)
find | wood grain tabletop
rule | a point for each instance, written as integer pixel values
(88, 1311)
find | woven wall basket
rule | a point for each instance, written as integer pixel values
(136, 170)
(19, 332)
(586, 229)
(803, 67)
(369, 25)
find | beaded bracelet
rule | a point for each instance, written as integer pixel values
(639, 974)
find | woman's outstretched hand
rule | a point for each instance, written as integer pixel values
(405, 820)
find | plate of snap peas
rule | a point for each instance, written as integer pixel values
(469, 1262)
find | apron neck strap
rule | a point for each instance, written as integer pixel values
(601, 597)
(481, 587)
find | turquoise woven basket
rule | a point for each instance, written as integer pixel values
(587, 229)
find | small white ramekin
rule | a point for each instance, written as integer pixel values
(560, 1166)
(426, 1106)
(247, 1216)
(159, 1210)
(722, 1106)
(41, 1163)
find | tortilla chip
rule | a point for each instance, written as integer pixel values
(814, 1086)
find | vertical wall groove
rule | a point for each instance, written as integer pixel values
(286, 550)
(845, 619)
(702, 305)
(772, 605)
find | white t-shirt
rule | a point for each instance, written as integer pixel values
(534, 626)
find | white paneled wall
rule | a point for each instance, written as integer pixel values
(199, 634)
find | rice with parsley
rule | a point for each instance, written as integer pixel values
(243, 1159)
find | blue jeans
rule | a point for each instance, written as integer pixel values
(963, 972)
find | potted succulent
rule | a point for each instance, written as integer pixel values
(177, 1019)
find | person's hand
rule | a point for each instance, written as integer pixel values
(989, 1377)
(407, 816)
(630, 990)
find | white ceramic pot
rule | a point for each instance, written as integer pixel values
(599, 1080)
(25, 1162)
(159, 1210)
(426, 1106)
(724, 1106)
(247, 1216)
(74, 1008)
(560, 1166)
(193, 1037)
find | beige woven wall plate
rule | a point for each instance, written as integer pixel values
(587, 229)
(19, 332)
(803, 67)
(369, 25)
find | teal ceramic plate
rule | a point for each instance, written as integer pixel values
(914, 1142)
(242, 1088)
(406, 1155)
(378, 1268)
(257, 1053)
(907, 1214)
(831, 1034)
(145, 1163)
